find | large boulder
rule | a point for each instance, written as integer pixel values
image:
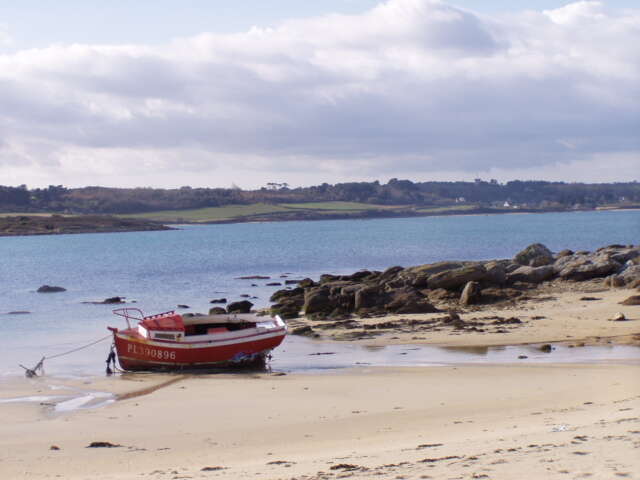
(407, 300)
(470, 294)
(287, 309)
(389, 274)
(316, 300)
(630, 275)
(496, 273)
(614, 281)
(327, 277)
(585, 267)
(452, 279)
(419, 276)
(564, 253)
(368, 296)
(287, 293)
(243, 306)
(535, 255)
(620, 253)
(357, 277)
(306, 283)
(531, 274)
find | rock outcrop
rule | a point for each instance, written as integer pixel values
(531, 274)
(243, 306)
(51, 289)
(535, 255)
(416, 289)
(470, 294)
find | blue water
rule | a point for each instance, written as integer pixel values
(198, 263)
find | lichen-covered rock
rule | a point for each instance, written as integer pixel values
(327, 277)
(368, 297)
(452, 279)
(306, 283)
(357, 277)
(390, 273)
(243, 306)
(217, 311)
(287, 293)
(286, 310)
(535, 255)
(496, 273)
(586, 267)
(419, 276)
(531, 274)
(316, 300)
(630, 274)
(408, 300)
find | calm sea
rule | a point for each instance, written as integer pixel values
(159, 270)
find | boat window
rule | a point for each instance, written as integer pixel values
(165, 336)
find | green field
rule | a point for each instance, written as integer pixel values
(209, 214)
(341, 206)
(283, 211)
(231, 212)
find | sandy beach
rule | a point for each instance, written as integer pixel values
(507, 421)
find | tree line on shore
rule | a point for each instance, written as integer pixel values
(524, 194)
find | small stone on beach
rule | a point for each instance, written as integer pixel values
(103, 445)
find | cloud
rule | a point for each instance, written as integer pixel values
(414, 86)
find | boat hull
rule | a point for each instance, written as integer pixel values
(138, 353)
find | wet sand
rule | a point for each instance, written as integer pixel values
(509, 421)
(579, 313)
(567, 421)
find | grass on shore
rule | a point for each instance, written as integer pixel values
(450, 208)
(230, 212)
(341, 206)
(209, 214)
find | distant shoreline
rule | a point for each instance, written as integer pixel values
(29, 224)
(382, 214)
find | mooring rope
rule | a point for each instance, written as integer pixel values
(33, 372)
(77, 349)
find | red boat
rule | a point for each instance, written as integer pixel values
(170, 341)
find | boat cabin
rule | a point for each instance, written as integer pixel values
(173, 327)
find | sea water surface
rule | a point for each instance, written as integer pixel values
(192, 265)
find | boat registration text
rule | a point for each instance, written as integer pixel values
(151, 352)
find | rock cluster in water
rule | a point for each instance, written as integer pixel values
(416, 289)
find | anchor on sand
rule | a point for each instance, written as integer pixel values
(33, 372)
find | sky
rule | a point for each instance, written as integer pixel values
(166, 93)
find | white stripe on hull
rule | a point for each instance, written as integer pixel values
(203, 344)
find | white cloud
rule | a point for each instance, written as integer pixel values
(413, 86)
